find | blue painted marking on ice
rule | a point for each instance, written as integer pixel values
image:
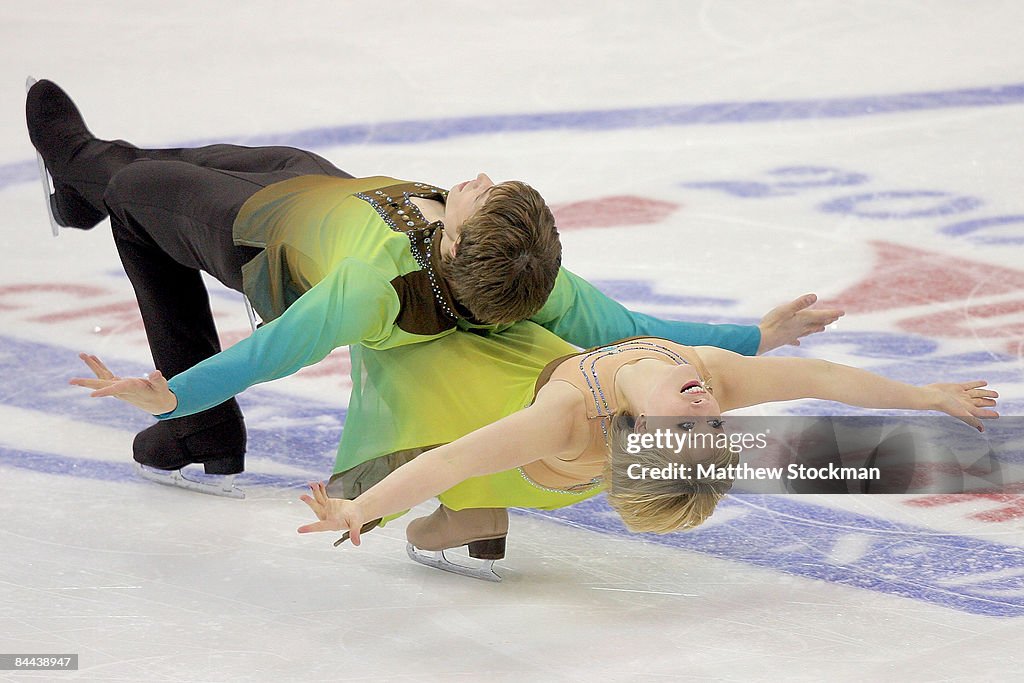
(48, 463)
(641, 290)
(878, 205)
(805, 177)
(786, 181)
(786, 535)
(887, 204)
(994, 368)
(18, 172)
(711, 113)
(875, 344)
(739, 188)
(970, 227)
(107, 470)
(405, 132)
(298, 433)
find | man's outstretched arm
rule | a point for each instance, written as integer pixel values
(353, 303)
(579, 313)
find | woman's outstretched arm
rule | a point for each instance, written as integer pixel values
(749, 381)
(549, 427)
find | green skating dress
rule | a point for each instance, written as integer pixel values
(430, 394)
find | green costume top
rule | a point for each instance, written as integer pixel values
(354, 262)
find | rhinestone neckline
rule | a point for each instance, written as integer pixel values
(383, 196)
(594, 384)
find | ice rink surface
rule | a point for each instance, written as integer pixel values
(706, 161)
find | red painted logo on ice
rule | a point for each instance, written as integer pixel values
(904, 277)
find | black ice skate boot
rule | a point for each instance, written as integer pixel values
(79, 164)
(215, 438)
(481, 530)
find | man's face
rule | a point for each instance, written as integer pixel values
(464, 200)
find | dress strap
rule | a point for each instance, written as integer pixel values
(702, 370)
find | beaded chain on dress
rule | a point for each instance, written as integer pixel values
(588, 362)
(389, 208)
(594, 384)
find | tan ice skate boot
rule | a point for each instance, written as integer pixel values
(482, 530)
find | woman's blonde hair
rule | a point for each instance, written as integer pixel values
(660, 505)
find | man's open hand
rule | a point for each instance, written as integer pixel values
(149, 393)
(785, 324)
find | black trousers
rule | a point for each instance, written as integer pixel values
(172, 212)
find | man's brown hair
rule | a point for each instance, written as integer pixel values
(507, 257)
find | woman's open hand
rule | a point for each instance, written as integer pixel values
(149, 393)
(335, 514)
(966, 401)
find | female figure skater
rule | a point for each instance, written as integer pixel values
(568, 444)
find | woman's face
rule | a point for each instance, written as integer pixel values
(693, 440)
(679, 405)
(463, 201)
(679, 393)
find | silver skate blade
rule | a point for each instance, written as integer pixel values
(250, 312)
(44, 177)
(225, 487)
(436, 559)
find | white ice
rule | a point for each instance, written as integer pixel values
(148, 583)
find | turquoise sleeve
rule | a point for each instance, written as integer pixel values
(354, 303)
(580, 314)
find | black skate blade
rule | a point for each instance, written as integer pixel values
(45, 179)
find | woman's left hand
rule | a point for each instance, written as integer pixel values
(966, 401)
(335, 514)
